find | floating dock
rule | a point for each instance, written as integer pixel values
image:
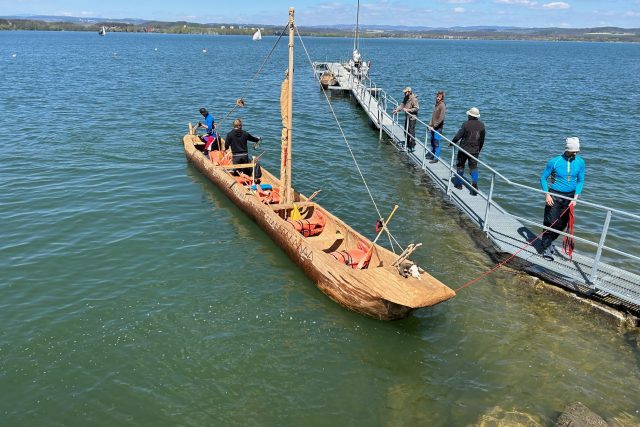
(585, 275)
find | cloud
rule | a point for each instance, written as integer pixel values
(556, 5)
(461, 1)
(632, 14)
(518, 2)
(458, 9)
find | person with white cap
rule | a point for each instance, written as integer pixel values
(566, 175)
(471, 133)
(410, 106)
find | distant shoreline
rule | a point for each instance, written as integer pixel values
(602, 34)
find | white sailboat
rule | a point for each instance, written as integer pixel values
(103, 31)
(257, 36)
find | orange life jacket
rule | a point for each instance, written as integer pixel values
(269, 196)
(352, 257)
(309, 227)
(218, 158)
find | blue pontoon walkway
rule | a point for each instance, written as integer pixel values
(586, 274)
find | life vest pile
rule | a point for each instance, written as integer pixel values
(219, 158)
(242, 179)
(309, 227)
(268, 196)
(352, 257)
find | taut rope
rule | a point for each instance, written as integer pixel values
(344, 137)
(497, 266)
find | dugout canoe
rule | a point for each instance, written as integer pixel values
(353, 271)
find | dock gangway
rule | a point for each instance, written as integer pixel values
(596, 270)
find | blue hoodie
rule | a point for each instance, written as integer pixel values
(567, 174)
(209, 122)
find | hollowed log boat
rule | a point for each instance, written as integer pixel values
(348, 267)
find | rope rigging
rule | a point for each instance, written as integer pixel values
(344, 137)
(240, 103)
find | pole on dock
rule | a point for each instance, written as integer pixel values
(485, 225)
(424, 152)
(603, 236)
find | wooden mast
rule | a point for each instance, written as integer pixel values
(285, 161)
(356, 39)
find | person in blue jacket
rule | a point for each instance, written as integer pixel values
(210, 125)
(565, 173)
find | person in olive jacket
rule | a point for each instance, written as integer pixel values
(471, 135)
(410, 106)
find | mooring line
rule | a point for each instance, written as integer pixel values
(497, 266)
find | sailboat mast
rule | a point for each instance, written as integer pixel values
(285, 172)
(355, 40)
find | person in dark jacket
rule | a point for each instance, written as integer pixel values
(237, 139)
(410, 106)
(472, 135)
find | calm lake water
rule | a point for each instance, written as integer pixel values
(132, 292)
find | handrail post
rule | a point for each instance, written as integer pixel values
(603, 236)
(424, 151)
(485, 225)
(393, 126)
(453, 153)
(406, 131)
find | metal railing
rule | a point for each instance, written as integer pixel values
(362, 84)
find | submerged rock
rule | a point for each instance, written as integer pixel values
(578, 415)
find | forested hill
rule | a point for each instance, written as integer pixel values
(53, 23)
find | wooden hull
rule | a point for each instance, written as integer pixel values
(378, 291)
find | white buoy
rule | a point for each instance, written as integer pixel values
(14, 55)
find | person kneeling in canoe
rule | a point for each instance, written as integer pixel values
(237, 140)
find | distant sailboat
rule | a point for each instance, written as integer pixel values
(103, 31)
(257, 35)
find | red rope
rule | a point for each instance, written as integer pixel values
(486, 273)
(568, 243)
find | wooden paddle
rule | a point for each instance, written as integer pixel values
(315, 193)
(384, 226)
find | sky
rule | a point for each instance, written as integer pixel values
(427, 13)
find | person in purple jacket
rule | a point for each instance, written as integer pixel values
(565, 173)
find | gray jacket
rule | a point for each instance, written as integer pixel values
(437, 118)
(410, 102)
